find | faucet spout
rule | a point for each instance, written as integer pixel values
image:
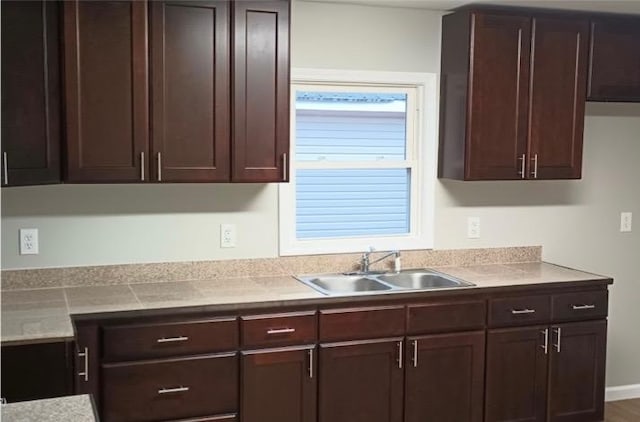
(365, 261)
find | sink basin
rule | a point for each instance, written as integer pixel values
(422, 280)
(344, 284)
(349, 284)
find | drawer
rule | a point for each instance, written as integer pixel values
(522, 310)
(170, 389)
(361, 323)
(144, 341)
(219, 418)
(581, 305)
(439, 317)
(279, 329)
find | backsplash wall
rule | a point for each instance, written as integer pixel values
(576, 222)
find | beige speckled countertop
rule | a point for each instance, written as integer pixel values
(68, 409)
(37, 315)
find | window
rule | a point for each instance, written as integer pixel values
(360, 173)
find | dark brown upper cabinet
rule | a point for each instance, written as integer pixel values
(614, 67)
(261, 91)
(513, 93)
(107, 95)
(190, 62)
(30, 93)
(154, 90)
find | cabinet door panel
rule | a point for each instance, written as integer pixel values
(516, 383)
(30, 93)
(279, 385)
(106, 90)
(445, 378)
(558, 89)
(361, 381)
(497, 122)
(190, 98)
(576, 372)
(614, 70)
(261, 91)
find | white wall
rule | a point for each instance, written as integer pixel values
(575, 221)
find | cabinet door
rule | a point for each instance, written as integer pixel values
(37, 371)
(190, 68)
(614, 68)
(516, 383)
(106, 91)
(577, 372)
(445, 378)
(558, 89)
(279, 385)
(261, 91)
(498, 95)
(87, 361)
(361, 381)
(30, 93)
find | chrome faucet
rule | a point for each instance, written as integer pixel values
(365, 261)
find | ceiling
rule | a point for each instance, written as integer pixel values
(616, 6)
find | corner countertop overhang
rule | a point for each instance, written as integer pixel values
(44, 315)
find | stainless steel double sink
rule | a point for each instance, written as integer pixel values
(372, 282)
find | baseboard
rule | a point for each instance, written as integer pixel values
(622, 392)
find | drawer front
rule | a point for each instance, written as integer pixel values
(170, 389)
(521, 310)
(577, 306)
(146, 341)
(439, 317)
(362, 323)
(279, 329)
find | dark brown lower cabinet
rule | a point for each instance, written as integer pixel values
(577, 371)
(546, 373)
(444, 379)
(361, 381)
(516, 383)
(180, 388)
(279, 385)
(37, 371)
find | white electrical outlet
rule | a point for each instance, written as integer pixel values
(625, 221)
(28, 241)
(227, 235)
(473, 227)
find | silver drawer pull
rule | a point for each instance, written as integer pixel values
(582, 307)
(172, 339)
(180, 389)
(281, 330)
(523, 311)
(85, 355)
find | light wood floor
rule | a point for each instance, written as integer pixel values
(622, 411)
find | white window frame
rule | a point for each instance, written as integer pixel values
(421, 158)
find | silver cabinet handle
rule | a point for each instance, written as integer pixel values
(400, 354)
(172, 339)
(85, 355)
(281, 330)
(534, 173)
(310, 363)
(284, 167)
(159, 161)
(5, 168)
(142, 166)
(545, 346)
(415, 353)
(558, 332)
(523, 158)
(180, 389)
(523, 311)
(582, 307)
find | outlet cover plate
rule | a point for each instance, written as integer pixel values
(29, 242)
